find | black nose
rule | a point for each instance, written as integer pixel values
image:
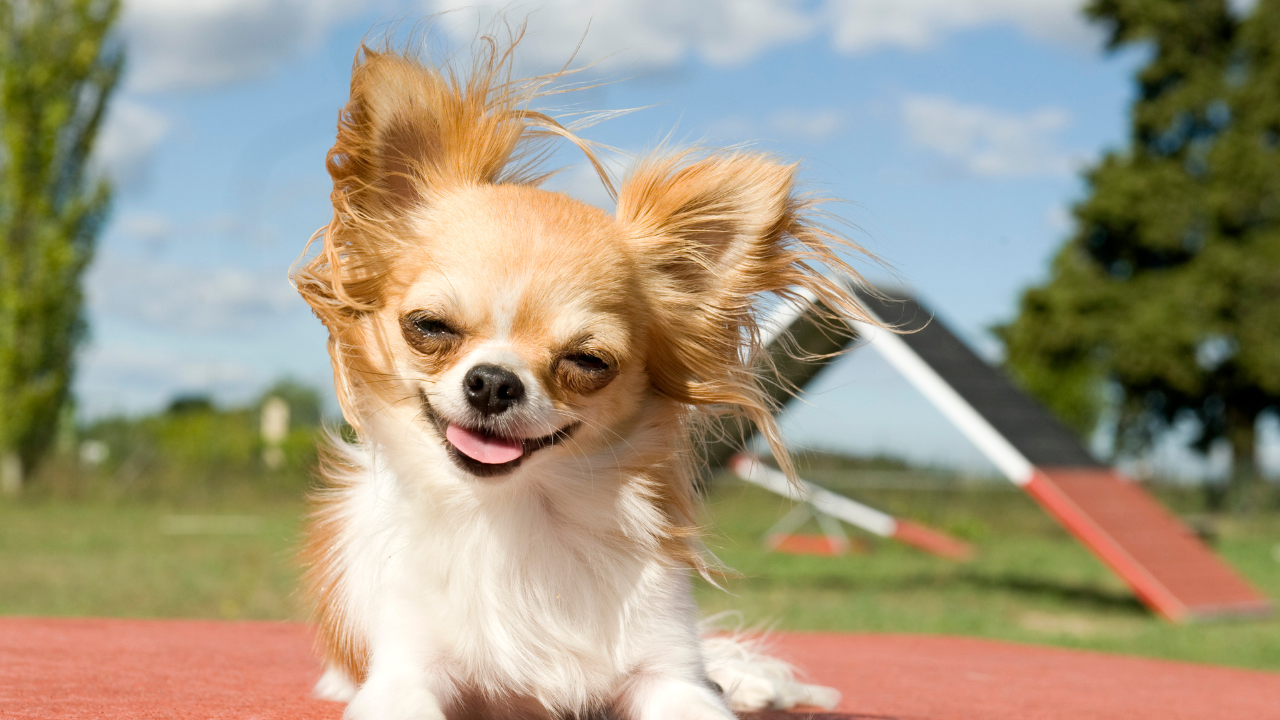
(492, 389)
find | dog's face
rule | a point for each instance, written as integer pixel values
(516, 323)
(505, 324)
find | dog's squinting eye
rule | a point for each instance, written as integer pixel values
(427, 333)
(432, 327)
(588, 362)
(584, 372)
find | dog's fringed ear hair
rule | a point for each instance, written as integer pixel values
(410, 129)
(717, 234)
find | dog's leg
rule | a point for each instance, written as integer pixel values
(667, 698)
(403, 683)
(394, 696)
(334, 685)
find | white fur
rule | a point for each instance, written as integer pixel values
(505, 586)
(752, 680)
(547, 586)
(334, 685)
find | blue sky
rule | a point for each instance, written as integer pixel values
(955, 129)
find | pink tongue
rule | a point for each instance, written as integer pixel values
(487, 449)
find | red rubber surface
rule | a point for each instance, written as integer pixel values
(1167, 566)
(141, 669)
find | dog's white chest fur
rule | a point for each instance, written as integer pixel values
(551, 592)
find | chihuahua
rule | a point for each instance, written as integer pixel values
(513, 532)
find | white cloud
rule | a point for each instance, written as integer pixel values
(811, 125)
(733, 128)
(640, 33)
(177, 44)
(985, 141)
(143, 366)
(1059, 219)
(191, 43)
(149, 227)
(645, 33)
(187, 299)
(134, 378)
(867, 25)
(127, 141)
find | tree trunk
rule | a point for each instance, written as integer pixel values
(1242, 433)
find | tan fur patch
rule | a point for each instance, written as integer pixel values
(341, 645)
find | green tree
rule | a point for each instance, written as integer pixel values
(58, 67)
(1169, 288)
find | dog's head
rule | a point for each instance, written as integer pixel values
(502, 323)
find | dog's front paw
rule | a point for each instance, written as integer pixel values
(334, 685)
(751, 680)
(393, 699)
(678, 700)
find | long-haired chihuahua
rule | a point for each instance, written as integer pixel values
(513, 533)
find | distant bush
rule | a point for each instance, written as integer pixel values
(193, 452)
(817, 459)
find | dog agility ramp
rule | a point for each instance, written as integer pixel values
(1163, 561)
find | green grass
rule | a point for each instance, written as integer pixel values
(123, 561)
(1030, 582)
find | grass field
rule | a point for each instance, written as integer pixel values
(1030, 582)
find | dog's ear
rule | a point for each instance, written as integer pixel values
(409, 130)
(714, 236)
(714, 226)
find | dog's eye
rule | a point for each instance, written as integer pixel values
(427, 333)
(585, 372)
(432, 327)
(588, 362)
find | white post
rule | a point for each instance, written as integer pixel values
(10, 475)
(275, 428)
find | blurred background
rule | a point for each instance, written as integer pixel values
(1088, 193)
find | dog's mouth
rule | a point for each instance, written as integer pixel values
(488, 454)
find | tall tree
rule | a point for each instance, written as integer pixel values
(58, 66)
(1170, 285)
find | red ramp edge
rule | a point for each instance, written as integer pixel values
(1161, 559)
(932, 541)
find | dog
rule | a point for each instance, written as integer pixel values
(513, 531)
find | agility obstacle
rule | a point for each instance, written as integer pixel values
(823, 504)
(798, 344)
(1163, 561)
